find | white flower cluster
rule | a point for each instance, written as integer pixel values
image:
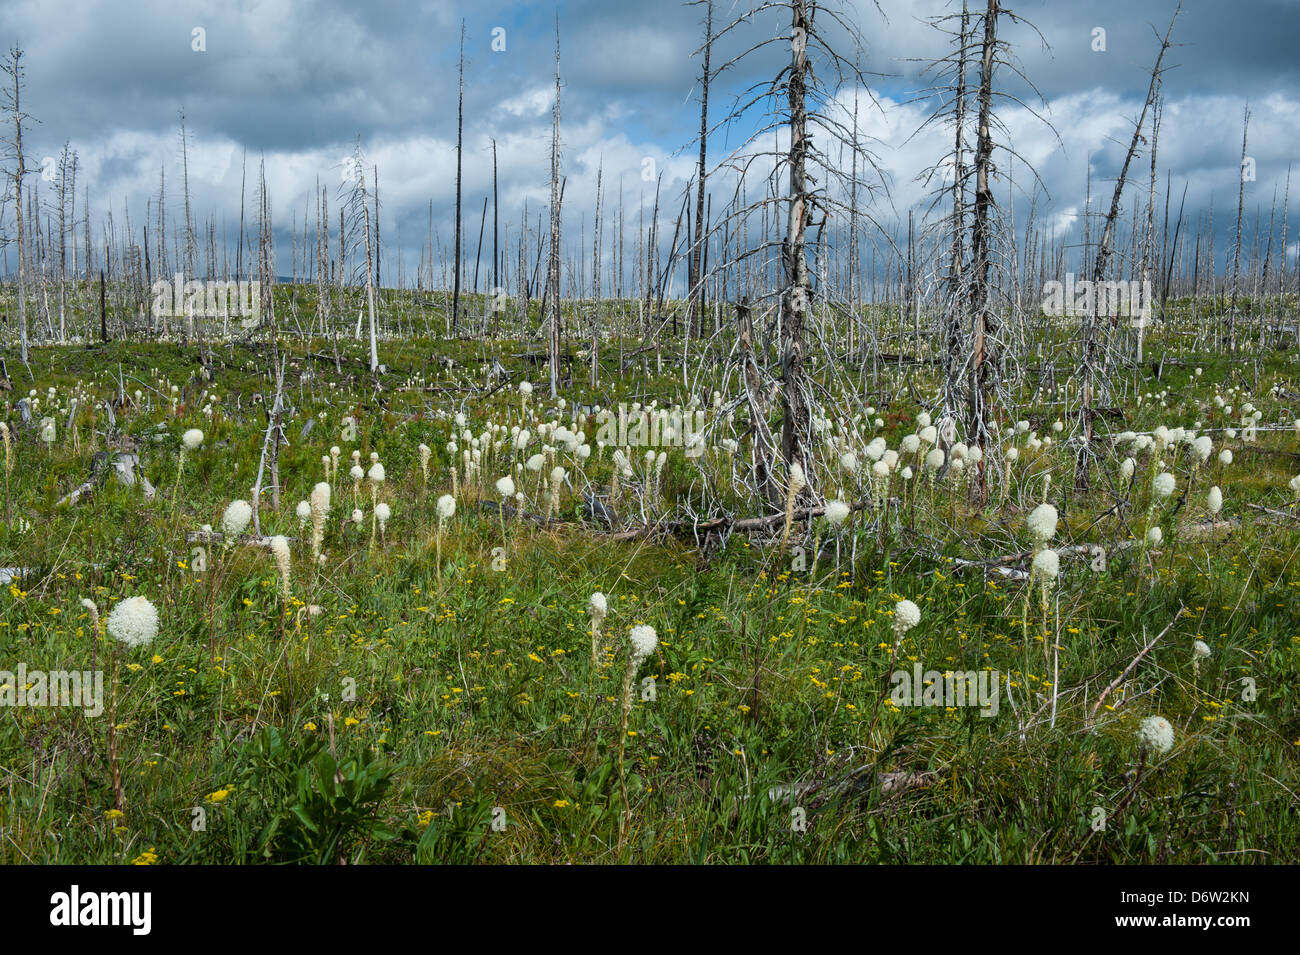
(133, 621)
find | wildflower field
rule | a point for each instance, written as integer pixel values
(434, 615)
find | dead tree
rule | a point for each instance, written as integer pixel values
(553, 259)
(1091, 319)
(801, 100)
(695, 283)
(1231, 331)
(460, 148)
(974, 334)
(13, 68)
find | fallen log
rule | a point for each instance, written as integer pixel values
(123, 465)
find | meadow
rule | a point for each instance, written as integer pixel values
(443, 656)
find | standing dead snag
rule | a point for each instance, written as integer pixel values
(1091, 318)
(13, 68)
(801, 101)
(553, 259)
(796, 298)
(984, 323)
(460, 127)
(974, 351)
(696, 278)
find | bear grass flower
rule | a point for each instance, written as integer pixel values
(598, 606)
(320, 508)
(192, 439)
(1156, 733)
(133, 621)
(837, 512)
(1214, 500)
(1047, 565)
(906, 616)
(446, 508)
(1163, 485)
(280, 551)
(425, 452)
(235, 520)
(642, 641)
(1042, 522)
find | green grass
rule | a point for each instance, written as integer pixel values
(418, 721)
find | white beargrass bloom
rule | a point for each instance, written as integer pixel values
(1214, 500)
(910, 444)
(642, 642)
(1155, 535)
(382, 513)
(536, 461)
(797, 479)
(1047, 564)
(929, 434)
(1225, 456)
(905, 474)
(1163, 485)
(837, 511)
(599, 608)
(1200, 650)
(525, 388)
(1013, 454)
(133, 621)
(303, 510)
(1042, 522)
(880, 469)
(1126, 468)
(1203, 447)
(357, 515)
(906, 616)
(236, 518)
(192, 438)
(1157, 733)
(1295, 484)
(506, 486)
(923, 420)
(377, 473)
(849, 461)
(280, 551)
(357, 473)
(446, 507)
(934, 459)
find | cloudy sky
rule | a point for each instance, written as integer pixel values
(296, 82)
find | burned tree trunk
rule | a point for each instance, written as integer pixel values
(796, 298)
